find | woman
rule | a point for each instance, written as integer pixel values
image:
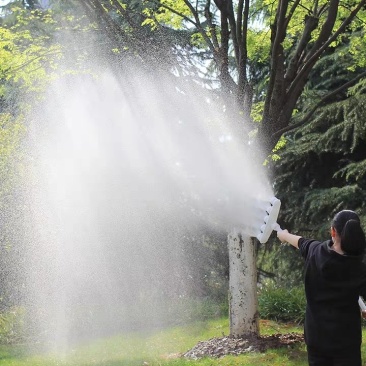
(335, 276)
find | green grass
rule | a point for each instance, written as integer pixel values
(161, 348)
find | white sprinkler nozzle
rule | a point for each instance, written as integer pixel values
(270, 221)
(273, 200)
(277, 227)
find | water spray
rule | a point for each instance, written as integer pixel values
(270, 220)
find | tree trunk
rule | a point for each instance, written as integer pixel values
(243, 301)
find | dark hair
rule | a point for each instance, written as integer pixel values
(348, 226)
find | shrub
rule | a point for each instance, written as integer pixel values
(12, 326)
(282, 304)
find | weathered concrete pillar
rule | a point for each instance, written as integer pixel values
(243, 300)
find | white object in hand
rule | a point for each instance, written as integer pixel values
(270, 221)
(361, 304)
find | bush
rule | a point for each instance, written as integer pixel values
(12, 326)
(282, 304)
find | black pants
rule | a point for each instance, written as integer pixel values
(318, 358)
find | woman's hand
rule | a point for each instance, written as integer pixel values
(282, 234)
(285, 236)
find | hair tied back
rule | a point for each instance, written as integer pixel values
(353, 238)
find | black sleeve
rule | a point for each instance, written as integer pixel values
(306, 246)
(362, 289)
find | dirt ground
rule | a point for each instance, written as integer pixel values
(218, 347)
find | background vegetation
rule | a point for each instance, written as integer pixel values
(316, 156)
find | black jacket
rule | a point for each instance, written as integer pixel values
(333, 283)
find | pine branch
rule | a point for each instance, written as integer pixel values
(319, 104)
(322, 45)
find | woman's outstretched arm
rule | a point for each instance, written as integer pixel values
(285, 236)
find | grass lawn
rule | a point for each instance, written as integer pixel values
(161, 348)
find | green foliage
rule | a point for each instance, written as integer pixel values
(11, 132)
(282, 264)
(353, 171)
(357, 48)
(187, 310)
(331, 200)
(28, 58)
(258, 45)
(282, 303)
(174, 19)
(322, 167)
(280, 145)
(207, 269)
(12, 326)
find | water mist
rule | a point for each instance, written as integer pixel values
(124, 171)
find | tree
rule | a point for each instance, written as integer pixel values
(26, 58)
(263, 70)
(294, 51)
(280, 53)
(327, 154)
(329, 157)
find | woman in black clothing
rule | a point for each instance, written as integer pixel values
(335, 276)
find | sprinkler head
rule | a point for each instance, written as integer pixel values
(270, 220)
